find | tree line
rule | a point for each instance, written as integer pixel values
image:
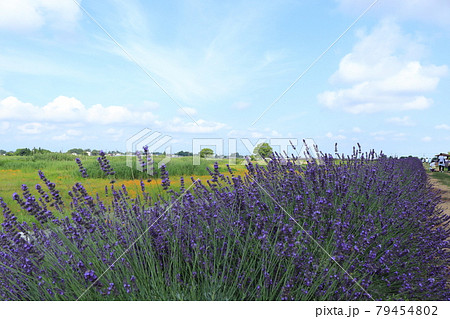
(263, 150)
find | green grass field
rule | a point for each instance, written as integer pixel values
(62, 170)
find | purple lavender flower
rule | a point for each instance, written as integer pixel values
(165, 181)
(257, 236)
(81, 168)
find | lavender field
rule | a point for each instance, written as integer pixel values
(363, 227)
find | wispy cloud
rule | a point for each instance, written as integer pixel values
(402, 121)
(442, 127)
(256, 133)
(430, 11)
(334, 137)
(178, 125)
(213, 57)
(29, 15)
(392, 135)
(32, 128)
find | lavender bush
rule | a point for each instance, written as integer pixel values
(266, 236)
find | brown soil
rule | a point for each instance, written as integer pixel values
(445, 194)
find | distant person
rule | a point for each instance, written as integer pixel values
(432, 166)
(441, 160)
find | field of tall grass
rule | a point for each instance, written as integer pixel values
(64, 172)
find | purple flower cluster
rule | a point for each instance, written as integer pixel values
(267, 235)
(81, 168)
(105, 165)
(145, 161)
(165, 181)
(56, 200)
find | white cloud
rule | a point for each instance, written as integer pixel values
(433, 11)
(402, 121)
(13, 109)
(27, 15)
(256, 133)
(32, 128)
(62, 137)
(63, 109)
(391, 135)
(442, 127)
(384, 74)
(356, 130)
(179, 126)
(338, 137)
(68, 135)
(426, 139)
(70, 110)
(64, 112)
(115, 115)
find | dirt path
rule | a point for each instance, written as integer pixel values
(445, 194)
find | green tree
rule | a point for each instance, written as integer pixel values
(23, 152)
(40, 151)
(2, 152)
(183, 153)
(206, 152)
(77, 151)
(263, 150)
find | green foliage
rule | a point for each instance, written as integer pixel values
(263, 150)
(183, 153)
(77, 151)
(206, 152)
(2, 152)
(53, 157)
(26, 152)
(40, 151)
(23, 152)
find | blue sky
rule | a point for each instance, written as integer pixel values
(218, 65)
